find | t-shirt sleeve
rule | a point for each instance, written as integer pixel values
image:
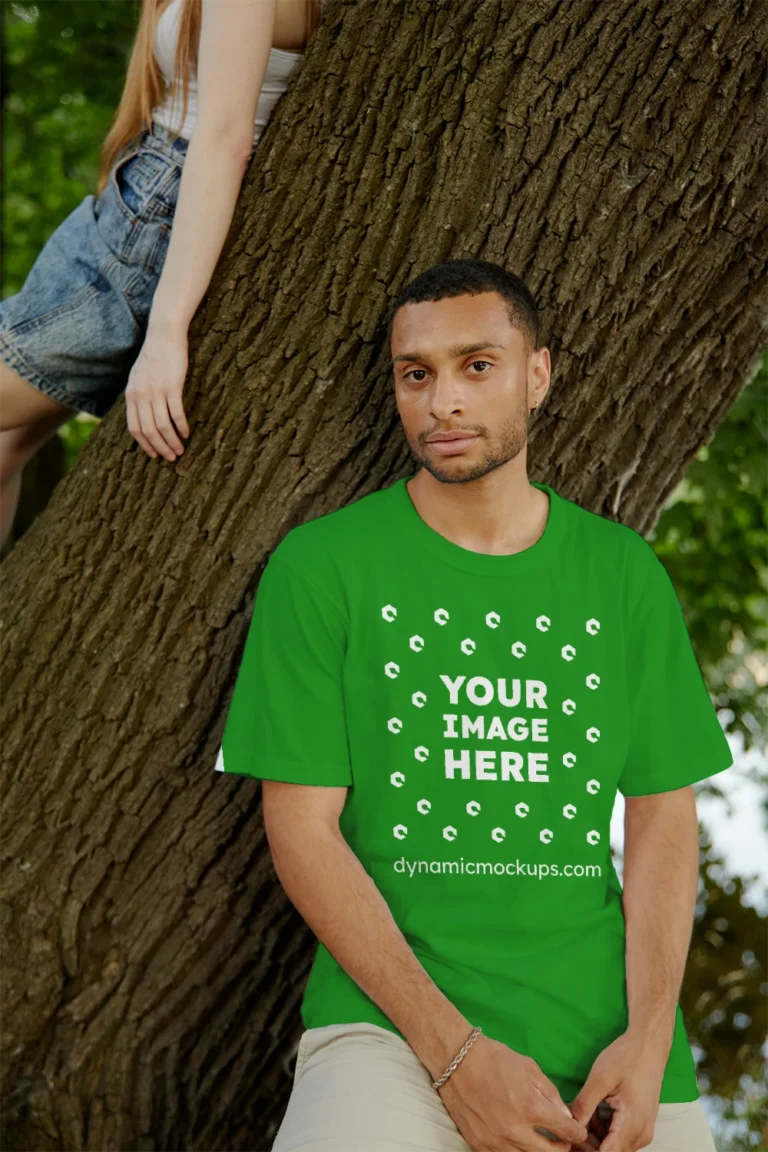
(286, 718)
(675, 735)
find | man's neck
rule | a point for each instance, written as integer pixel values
(497, 514)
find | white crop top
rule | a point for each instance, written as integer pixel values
(280, 64)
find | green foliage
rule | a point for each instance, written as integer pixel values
(75, 433)
(64, 71)
(63, 74)
(713, 539)
(723, 999)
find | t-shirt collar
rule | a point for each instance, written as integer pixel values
(424, 538)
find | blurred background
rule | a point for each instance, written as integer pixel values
(63, 70)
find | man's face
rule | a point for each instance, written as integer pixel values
(460, 365)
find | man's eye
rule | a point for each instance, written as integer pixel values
(423, 371)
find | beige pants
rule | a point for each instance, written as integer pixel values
(361, 1088)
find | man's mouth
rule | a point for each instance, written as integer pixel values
(451, 443)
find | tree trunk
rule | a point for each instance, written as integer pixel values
(612, 155)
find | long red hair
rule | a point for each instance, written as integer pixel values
(145, 84)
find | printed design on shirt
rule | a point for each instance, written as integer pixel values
(526, 725)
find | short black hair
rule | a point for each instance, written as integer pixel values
(461, 277)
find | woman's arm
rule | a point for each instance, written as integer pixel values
(235, 39)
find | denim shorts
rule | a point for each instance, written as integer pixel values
(78, 323)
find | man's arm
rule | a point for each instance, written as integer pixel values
(498, 1096)
(661, 860)
(340, 902)
(661, 869)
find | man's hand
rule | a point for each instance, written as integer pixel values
(500, 1099)
(628, 1076)
(153, 393)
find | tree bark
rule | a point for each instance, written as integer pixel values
(613, 154)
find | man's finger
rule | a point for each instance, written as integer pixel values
(592, 1141)
(554, 1113)
(622, 1132)
(585, 1102)
(552, 1137)
(553, 1124)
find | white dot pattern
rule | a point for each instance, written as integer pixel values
(468, 646)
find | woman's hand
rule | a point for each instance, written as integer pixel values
(153, 393)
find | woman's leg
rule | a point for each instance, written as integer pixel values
(27, 419)
(22, 404)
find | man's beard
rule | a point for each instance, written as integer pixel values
(510, 441)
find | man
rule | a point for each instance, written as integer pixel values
(443, 686)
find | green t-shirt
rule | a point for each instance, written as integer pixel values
(482, 710)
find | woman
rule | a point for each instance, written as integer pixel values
(108, 303)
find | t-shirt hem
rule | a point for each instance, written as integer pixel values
(289, 772)
(670, 783)
(679, 1092)
(675, 1089)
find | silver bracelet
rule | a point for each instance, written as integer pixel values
(458, 1059)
